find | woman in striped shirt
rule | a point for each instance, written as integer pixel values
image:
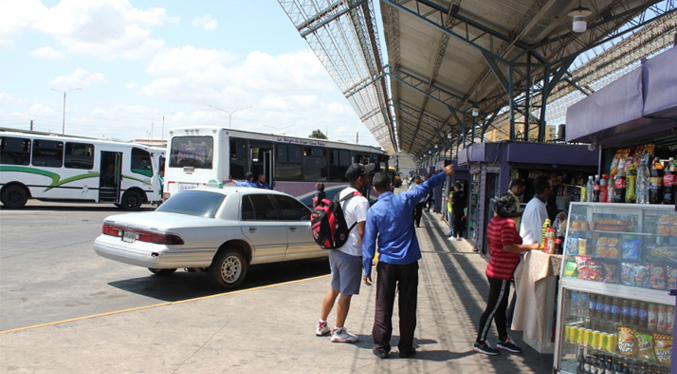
(505, 247)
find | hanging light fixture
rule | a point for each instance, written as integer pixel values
(475, 112)
(578, 14)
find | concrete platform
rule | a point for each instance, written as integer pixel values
(271, 329)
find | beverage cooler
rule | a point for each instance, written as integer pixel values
(615, 312)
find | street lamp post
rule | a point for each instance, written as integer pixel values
(63, 125)
(230, 112)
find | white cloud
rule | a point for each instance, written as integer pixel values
(4, 97)
(79, 78)
(206, 23)
(130, 85)
(47, 53)
(108, 29)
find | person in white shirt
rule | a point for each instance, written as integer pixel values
(346, 262)
(535, 213)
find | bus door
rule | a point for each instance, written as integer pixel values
(260, 160)
(110, 176)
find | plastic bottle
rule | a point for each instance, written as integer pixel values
(546, 226)
(549, 241)
(603, 189)
(656, 182)
(589, 189)
(669, 181)
(642, 184)
(630, 184)
(596, 189)
(619, 187)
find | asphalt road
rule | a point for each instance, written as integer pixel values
(49, 271)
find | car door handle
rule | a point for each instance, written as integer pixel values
(252, 229)
(292, 228)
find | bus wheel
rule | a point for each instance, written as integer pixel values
(228, 269)
(131, 200)
(14, 197)
(162, 272)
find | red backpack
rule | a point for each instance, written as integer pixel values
(328, 223)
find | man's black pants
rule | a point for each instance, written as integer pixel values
(404, 280)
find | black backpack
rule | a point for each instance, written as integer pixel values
(328, 224)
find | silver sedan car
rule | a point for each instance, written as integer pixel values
(220, 230)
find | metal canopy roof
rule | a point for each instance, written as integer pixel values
(448, 59)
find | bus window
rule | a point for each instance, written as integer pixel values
(15, 151)
(141, 162)
(47, 153)
(339, 160)
(237, 158)
(314, 164)
(195, 151)
(79, 156)
(288, 165)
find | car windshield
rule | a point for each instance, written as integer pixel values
(195, 203)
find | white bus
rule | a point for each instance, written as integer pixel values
(73, 169)
(199, 156)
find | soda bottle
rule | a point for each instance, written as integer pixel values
(612, 189)
(630, 184)
(589, 189)
(595, 189)
(546, 226)
(619, 187)
(580, 368)
(642, 184)
(669, 181)
(656, 182)
(603, 189)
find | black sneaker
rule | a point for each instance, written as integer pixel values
(509, 346)
(486, 349)
(380, 354)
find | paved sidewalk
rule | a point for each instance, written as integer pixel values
(271, 329)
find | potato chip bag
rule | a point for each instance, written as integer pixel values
(627, 344)
(570, 269)
(582, 265)
(657, 276)
(663, 348)
(610, 272)
(645, 349)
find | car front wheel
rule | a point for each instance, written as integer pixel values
(228, 269)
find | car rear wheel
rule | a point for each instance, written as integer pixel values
(163, 272)
(228, 269)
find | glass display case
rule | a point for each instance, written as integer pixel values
(615, 312)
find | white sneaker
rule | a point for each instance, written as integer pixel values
(322, 328)
(341, 335)
(451, 239)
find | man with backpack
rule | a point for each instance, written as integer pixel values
(389, 223)
(346, 261)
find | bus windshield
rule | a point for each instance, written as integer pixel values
(192, 151)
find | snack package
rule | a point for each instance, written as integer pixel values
(627, 277)
(627, 344)
(645, 349)
(570, 269)
(582, 246)
(582, 266)
(663, 348)
(657, 277)
(594, 271)
(630, 249)
(641, 275)
(572, 245)
(672, 278)
(610, 272)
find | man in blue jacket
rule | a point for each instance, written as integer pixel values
(389, 222)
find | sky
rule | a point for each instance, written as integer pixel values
(127, 67)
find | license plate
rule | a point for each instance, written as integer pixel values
(129, 236)
(184, 186)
